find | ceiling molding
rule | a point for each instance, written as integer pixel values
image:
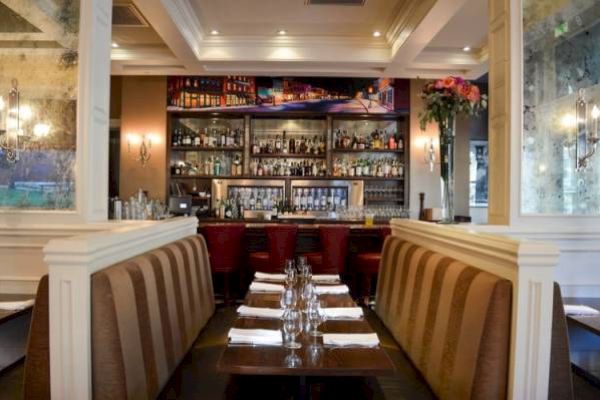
(295, 41)
(185, 19)
(407, 18)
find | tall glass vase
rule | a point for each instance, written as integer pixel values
(447, 137)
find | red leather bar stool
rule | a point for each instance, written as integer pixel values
(366, 265)
(281, 245)
(225, 244)
(334, 249)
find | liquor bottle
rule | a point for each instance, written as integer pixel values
(310, 200)
(260, 169)
(278, 145)
(292, 146)
(285, 144)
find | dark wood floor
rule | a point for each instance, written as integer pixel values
(197, 378)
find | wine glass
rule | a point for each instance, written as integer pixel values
(292, 326)
(290, 278)
(315, 317)
(289, 298)
(289, 265)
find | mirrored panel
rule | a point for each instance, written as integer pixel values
(560, 165)
(38, 103)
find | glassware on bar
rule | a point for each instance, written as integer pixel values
(292, 326)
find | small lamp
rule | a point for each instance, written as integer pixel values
(145, 146)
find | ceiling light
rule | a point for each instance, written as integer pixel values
(214, 32)
(467, 49)
(115, 45)
(281, 32)
(376, 34)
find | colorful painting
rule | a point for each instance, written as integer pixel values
(248, 94)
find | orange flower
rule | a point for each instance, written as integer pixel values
(449, 82)
(464, 90)
(474, 94)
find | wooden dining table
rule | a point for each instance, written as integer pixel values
(316, 359)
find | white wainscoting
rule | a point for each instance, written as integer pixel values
(529, 265)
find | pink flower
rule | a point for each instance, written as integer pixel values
(474, 95)
(439, 84)
(449, 82)
(464, 89)
(459, 80)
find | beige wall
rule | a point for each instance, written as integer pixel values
(143, 111)
(421, 178)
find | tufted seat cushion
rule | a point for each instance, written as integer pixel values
(452, 320)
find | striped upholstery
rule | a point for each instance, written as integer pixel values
(146, 313)
(452, 320)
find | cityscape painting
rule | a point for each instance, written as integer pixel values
(288, 94)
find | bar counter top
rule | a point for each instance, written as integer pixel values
(307, 224)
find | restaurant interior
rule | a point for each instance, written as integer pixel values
(299, 199)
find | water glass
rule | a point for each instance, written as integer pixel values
(289, 298)
(292, 326)
(315, 317)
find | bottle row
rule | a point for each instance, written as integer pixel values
(207, 138)
(209, 166)
(280, 144)
(319, 199)
(378, 139)
(381, 168)
(283, 167)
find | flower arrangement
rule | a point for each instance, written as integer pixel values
(446, 98)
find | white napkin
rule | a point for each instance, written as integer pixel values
(351, 339)
(16, 305)
(260, 312)
(269, 277)
(266, 287)
(580, 310)
(332, 289)
(342, 312)
(326, 278)
(266, 337)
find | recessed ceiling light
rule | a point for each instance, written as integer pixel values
(115, 45)
(214, 32)
(281, 32)
(467, 49)
(376, 34)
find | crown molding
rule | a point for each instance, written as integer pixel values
(184, 18)
(407, 17)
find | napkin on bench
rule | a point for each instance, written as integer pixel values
(326, 278)
(351, 339)
(265, 337)
(259, 312)
(16, 305)
(580, 310)
(269, 277)
(342, 312)
(266, 287)
(332, 289)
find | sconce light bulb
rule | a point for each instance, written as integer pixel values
(25, 113)
(595, 112)
(569, 121)
(41, 130)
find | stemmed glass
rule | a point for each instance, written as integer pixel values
(290, 277)
(289, 265)
(315, 316)
(292, 326)
(289, 298)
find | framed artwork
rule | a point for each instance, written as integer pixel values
(478, 173)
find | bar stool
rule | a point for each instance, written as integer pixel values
(367, 264)
(225, 244)
(281, 245)
(334, 249)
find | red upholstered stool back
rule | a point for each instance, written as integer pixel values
(281, 242)
(225, 246)
(334, 248)
(384, 232)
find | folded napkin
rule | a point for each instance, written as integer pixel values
(342, 312)
(332, 289)
(326, 278)
(351, 339)
(269, 277)
(260, 312)
(265, 337)
(266, 287)
(580, 310)
(16, 305)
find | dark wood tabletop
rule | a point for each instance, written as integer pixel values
(590, 323)
(317, 360)
(6, 315)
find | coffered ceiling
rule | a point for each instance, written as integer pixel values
(418, 38)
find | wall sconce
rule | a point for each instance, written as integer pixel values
(429, 145)
(586, 131)
(10, 118)
(145, 145)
